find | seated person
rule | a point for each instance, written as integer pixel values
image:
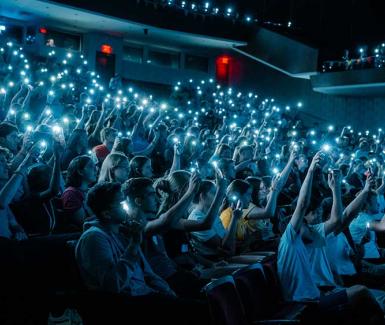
(107, 136)
(81, 173)
(297, 267)
(110, 260)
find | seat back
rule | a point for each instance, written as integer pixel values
(225, 304)
(253, 291)
(274, 293)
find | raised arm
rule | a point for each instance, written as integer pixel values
(279, 183)
(150, 148)
(99, 123)
(212, 213)
(9, 190)
(334, 222)
(25, 104)
(54, 186)
(178, 151)
(138, 127)
(304, 195)
(378, 226)
(352, 210)
(381, 188)
(166, 220)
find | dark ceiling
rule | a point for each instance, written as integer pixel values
(330, 25)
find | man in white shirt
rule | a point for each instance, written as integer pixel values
(297, 273)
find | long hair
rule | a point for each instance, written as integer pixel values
(255, 183)
(237, 187)
(204, 188)
(109, 164)
(136, 164)
(76, 165)
(175, 186)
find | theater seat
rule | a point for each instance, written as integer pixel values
(226, 307)
(258, 300)
(225, 304)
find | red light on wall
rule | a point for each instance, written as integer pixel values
(43, 30)
(223, 65)
(225, 60)
(106, 49)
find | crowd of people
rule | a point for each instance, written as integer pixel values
(170, 194)
(363, 60)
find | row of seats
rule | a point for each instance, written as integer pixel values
(252, 295)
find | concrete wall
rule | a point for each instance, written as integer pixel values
(360, 112)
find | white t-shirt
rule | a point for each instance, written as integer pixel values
(338, 252)
(358, 230)
(199, 237)
(294, 268)
(319, 264)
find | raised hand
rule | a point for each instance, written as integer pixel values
(369, 183)
(293, 156)
(194, 183)
(334, 179)
(238, 210)
(220, 180)
(178, 148)
(315, 163)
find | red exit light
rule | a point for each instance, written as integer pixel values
(43, 30)
(106, 49)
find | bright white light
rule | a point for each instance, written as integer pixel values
(299, 104)
(330, 127)
(29, 128)
(326, 147)
(56, 129)
(26, 116)
(48, 112)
